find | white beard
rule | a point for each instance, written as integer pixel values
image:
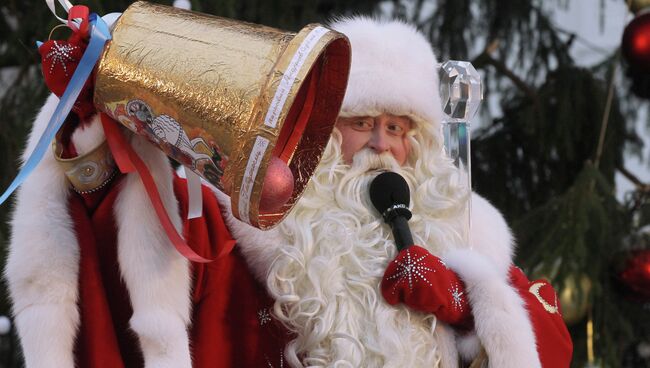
(324, 263)
(326, 275)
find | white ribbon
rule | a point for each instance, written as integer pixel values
(183, 4)
(66, 6)
(195, 196)
(110, 19)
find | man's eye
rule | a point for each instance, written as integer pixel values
(361, 124)
(396, 129)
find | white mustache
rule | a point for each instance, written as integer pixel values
(367, 160)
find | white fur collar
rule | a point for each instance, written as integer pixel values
(501, 321)
(43, 264)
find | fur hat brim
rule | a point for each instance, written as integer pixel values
(394, 70)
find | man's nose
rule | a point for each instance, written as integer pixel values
(378, 141)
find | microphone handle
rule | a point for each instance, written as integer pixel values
(401, 232)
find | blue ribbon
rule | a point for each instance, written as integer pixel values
(99, 35)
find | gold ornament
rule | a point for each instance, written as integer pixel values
(89, 172)
(575, 298)
(638, 5)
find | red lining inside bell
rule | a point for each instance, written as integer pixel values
(298, 117)
(310, 121)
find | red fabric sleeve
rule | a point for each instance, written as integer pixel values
(554, 344)
(422, 281)
(231, 321)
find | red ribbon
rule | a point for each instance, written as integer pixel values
(79, 12)
(129, 161)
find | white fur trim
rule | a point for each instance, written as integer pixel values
(490, 234)
(469, 346)
(43, 261)
(156, 275)
(47, 334)
(445, 345)
(393, 70)
(88, 136)
(501, 321)
(163, 338)
(43, 264)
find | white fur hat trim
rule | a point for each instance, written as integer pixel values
(394, 70)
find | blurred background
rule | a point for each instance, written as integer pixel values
(558, 144)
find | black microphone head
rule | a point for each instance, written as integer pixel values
(390, 195)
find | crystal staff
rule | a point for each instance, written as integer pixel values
(461, 93)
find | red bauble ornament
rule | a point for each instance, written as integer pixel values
(278, 186)
(635, 275)
(636, 43)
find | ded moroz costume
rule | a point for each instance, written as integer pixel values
(95, 281)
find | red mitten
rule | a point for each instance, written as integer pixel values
(422, 281)
(59, 60)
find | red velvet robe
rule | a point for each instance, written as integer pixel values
(231, 324)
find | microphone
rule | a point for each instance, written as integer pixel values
(390, 195)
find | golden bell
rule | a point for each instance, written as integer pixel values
(223, 97)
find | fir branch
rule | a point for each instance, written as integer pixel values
(584, 41)
(605, 120)
(485, 58)
(641, 186)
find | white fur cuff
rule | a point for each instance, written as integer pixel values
(163, 338)
(500, 318)
(47, 334)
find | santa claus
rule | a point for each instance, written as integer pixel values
(325, 266)
(95, 281)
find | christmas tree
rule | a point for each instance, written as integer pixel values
(546, 154)
(548, 161)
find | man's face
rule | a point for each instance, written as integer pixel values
(382, 133)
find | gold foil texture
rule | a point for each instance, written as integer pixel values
(204, 89)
